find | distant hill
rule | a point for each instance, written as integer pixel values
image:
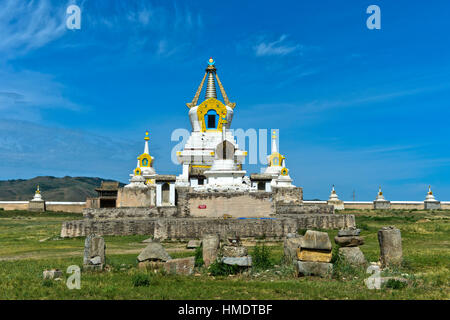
(52, 188)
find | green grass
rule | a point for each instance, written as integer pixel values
(425, 235)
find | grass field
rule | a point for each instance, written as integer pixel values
(30, 243)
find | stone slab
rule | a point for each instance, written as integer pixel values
(390, 240)
(349, 232)
(315, 240)
(239, 261)
(183, 266)
(313, 256)
(321, 269)
(234, 251)
(351, 241)
(210, 244)
(154, 252)
(193, 244)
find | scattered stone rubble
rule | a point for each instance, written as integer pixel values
(94, 253)
(233, 253)
(154, 257)
(310, 253)
(194, 244)
(349, 241)
(53, 274)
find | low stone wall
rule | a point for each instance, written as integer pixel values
(193, 228)
(115, 213)
(445, 205)
(76, 207)
(361, 205)
(14, 205)
(306, 208)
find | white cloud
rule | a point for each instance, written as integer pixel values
(278, 47)
(27, 25)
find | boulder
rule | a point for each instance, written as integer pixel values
(313, 255)
(95, 260)
(290, 248)
(234, 251)
(52, 274)
(154, 252)
(151, 265)
(348, 232)
(210, 245)
(321, 269)
(350, 241)
(390, 240)
(239, 261)
(292, 235)
(315, 240)
(184, 266)
(193, 244)
(353, 256)
(94, 247)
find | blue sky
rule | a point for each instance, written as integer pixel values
(355, 107)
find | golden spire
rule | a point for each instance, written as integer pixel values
(37, 190)
(146, 136)
(197, 94)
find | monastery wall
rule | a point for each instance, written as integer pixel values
(194, 228)
(14, 205)
(239, 204)
(305, 208)
(60, 206)
(76, 207)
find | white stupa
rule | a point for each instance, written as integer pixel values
(37, 196)
(430, 197)
(334, 200)
(333, 195)
(430, 202)
(380, 196)
(210, 121)
(277, 167)
(144, 174)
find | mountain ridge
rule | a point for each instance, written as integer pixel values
(52, 188)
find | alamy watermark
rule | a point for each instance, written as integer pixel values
(257, 147)
(73, 20)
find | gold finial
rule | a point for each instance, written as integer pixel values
(37, 190)
(429, 190)
(146, 136)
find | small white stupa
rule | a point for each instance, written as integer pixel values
(144, 174)
(37, 195)
(380, 196)
(380, 202)
(430, 201)
(333, 195)
(277, 167)
(334, 200)
(430, 196)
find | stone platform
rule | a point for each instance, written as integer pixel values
(193, 228)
